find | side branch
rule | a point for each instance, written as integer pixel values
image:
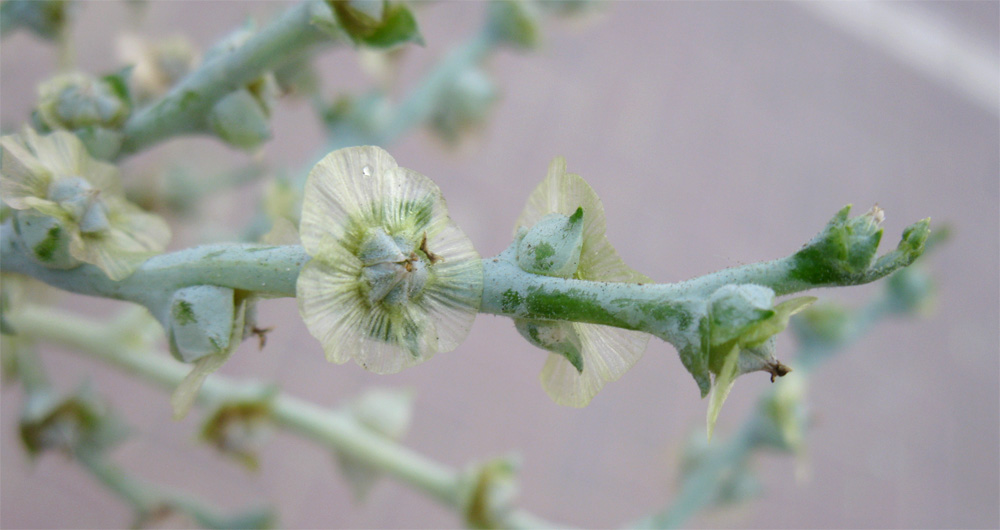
(325, 427)
(267, 270)
(184, 108)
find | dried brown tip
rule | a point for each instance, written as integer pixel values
(776, 369)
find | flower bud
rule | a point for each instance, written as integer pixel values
(236, 429)
(77, 422)
(46, 238)
(55, 176)
(733, 308)
(76, 101)
(552, 247)
(200, 322)
(847, 247)
(240, 119)
(488, 492)
(374, 23)
(156, 66)
(863, 235)
(464, 104)
(741, 337)
(205, 324)
(46, 18)
(560, 232)
(556, 337)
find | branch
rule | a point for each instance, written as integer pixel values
(184, 108)
(668, 311)
(151, 502)
(334, 430)
(264, 269)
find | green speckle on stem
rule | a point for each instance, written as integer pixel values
(574, 304)
(46, 249)
(811, 267)
(187, 99)
(510, 301)
(661, 312)
(184, 313)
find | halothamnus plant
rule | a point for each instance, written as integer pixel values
(384, 277)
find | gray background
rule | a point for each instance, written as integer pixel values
(716, 134)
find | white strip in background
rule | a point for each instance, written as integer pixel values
(921, 41)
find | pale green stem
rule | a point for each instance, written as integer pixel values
(7, 24)
(701, 487)
(669, 311)
(350, 438)
(184, 109)
(422, 100)
(328, 428)
(30, 371)
(66, 56)
(144, 498)
(151, 501)
(812, 353)
(263, 269)
(136, 493)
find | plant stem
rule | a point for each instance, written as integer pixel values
(701, 487)
(134, 492)
(264, 269)
(421, 101)
(150, 502)
(184, 108)
(669, 311)
(349, 437)
(30, 371)
(327, 428)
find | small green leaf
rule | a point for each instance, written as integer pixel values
(757, 334)
(118, 82)
(723, 384)
(694, 357)
(740, 322)
(734, 308)
(399, 26)
(557, 337)
(240, 120)
(377, 23)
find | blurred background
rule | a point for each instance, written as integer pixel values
(717, 134)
